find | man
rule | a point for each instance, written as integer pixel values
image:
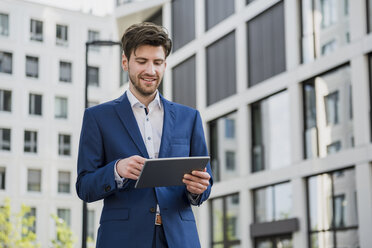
(118, 136)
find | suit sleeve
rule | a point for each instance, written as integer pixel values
(199, 148)
(95, 179)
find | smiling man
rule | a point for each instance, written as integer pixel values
(118, 136)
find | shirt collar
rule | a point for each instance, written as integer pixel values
(134, 102)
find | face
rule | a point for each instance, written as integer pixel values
(145, 67)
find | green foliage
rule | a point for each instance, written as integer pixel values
(64, 238)
(16, 230)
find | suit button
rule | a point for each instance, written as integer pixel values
(107, 188)
(152, 210)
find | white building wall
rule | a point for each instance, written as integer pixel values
(48, 127)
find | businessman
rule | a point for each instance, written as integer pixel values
(118, 136)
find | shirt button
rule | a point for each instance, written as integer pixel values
(107, 188)
(147, 119)
(149, 138)
(152, 210)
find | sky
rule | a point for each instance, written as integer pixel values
(97, 7)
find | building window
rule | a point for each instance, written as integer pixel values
(4, 24)
(2, 178)
(64, 144)
(6, 60)
(184, 82)
(61, 35)
(93, 36)
(325, 27)
(36, 30)
(183, 22)
(221, 147)
(5, 139)
(272, 203)
(65, 71)
(34, 180)
(32, 67)
(284, 241)
(271, 133)
(65, 215)
(225, 221)
(328, 124)
(370, 91)
(91, 224)
(61, 107)
(332, 103)
(93, 76)
(217, 11)
(266, 45)
(369, 13)
(221, 69)
(31, 214)
(35, 104)
(30, 141)
(5, 100)
(64, 178)
(332, 209)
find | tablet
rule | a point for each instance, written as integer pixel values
(162, 172)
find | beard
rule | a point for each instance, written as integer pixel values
(141, 88)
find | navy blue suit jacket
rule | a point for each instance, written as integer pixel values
(110, 132)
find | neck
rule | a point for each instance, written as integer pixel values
(144, 99)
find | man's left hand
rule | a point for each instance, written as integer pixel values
(197, 181)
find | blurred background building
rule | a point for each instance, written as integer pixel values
(284, 89)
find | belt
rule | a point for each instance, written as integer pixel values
(158, 221)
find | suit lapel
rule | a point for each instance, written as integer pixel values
(125, 113)
(168, 126)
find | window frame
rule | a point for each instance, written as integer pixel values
(34, 34)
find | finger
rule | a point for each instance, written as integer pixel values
(139, 159)
(195, 190)
(201, 174)
(203, 184)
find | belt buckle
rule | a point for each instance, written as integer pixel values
(158, 221)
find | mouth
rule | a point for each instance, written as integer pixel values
(148, 81)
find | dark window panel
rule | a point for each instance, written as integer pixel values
(30, 142)
(5, 139)
(2, 178)
(35, 104)
(4, 24)
(184, 82)
(217, 11)
(5, 100)
(32, 67)
(266, 45)
(221, 75)
(183, 22)
(6, 62)
(36, 30)
(93, 76)
(65, 72)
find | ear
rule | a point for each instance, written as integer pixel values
(124, 62)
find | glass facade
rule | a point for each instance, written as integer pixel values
(272, 203)
(271, 133)
(225, 222)
(223, 147)
(332, 209)
(328, 114)
(325, 27)
(65, 215)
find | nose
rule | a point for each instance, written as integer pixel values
(150, 69)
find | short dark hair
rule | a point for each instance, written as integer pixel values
(145, 33)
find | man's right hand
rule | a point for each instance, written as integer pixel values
(130, 167)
